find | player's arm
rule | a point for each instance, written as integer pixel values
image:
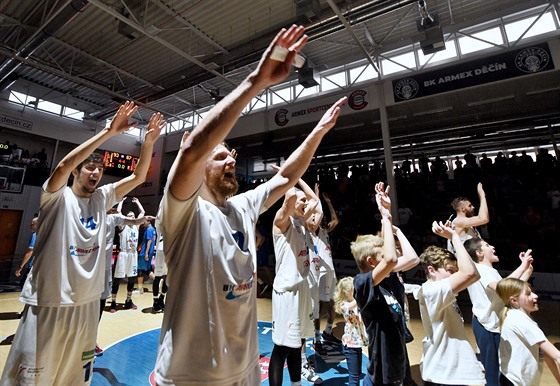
(120, 205)
(551, 358)
(334, 217)
(26, 258)
(297, 163)
(467, 273)
(187, 173)
(282, 218)
(409, 258)
(141, 210)
(390, 259)
(313, 207)
(522, 272)
(119, 124)
(124, 186)
(138, 221)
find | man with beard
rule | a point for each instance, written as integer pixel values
(465, 222)
(209, 238)
(55, 340)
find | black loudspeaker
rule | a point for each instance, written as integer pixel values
(308, 76)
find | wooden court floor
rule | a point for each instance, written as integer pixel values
(124, 323)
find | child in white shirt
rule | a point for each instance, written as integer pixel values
(521, 338)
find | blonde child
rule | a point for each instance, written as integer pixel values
(521, 338)
(355, 336)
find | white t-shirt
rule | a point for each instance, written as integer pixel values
(322, 241)
(129, 238)
(519, 349)
(292, 256)
(209, 330)
(69, 265)
(113, 220)
(486, 302)
(448, 357)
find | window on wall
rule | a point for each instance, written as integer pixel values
(135, 132)
(280, 95)
(72, 113)
(516, 29)
(18, 97)
(302, 92)
(398, 63)
(333, 81)
(481, 40)
(175, 126)
(256, 103)
(362, 73)
(49, 107)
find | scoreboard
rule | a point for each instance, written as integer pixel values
(119, 164)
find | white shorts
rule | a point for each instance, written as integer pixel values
(127, 264)
(292, 316)
(314, 294)
(53, 346)
(160, 268)
(327, 285)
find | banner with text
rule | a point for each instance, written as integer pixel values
(313, 110)
(511, 64)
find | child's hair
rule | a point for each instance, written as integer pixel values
(436, 257)
(364, 246)
(472, 246)
(508, 288)
(343, 286)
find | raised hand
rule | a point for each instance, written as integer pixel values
(443, 230)
(155, 126)
(326, 197)
(383, 200)
(526, 257)
(134, 199)
(274, 167)
(331, 115)
(120, 123)
(270, 71)
(480, 189)
(185, 136)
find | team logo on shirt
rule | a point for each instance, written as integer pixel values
(237, 291)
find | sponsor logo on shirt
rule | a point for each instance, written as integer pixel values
(237, 291)
(76, 251)
(25, 371)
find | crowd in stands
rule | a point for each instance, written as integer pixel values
(523, 199)
(36, 163)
